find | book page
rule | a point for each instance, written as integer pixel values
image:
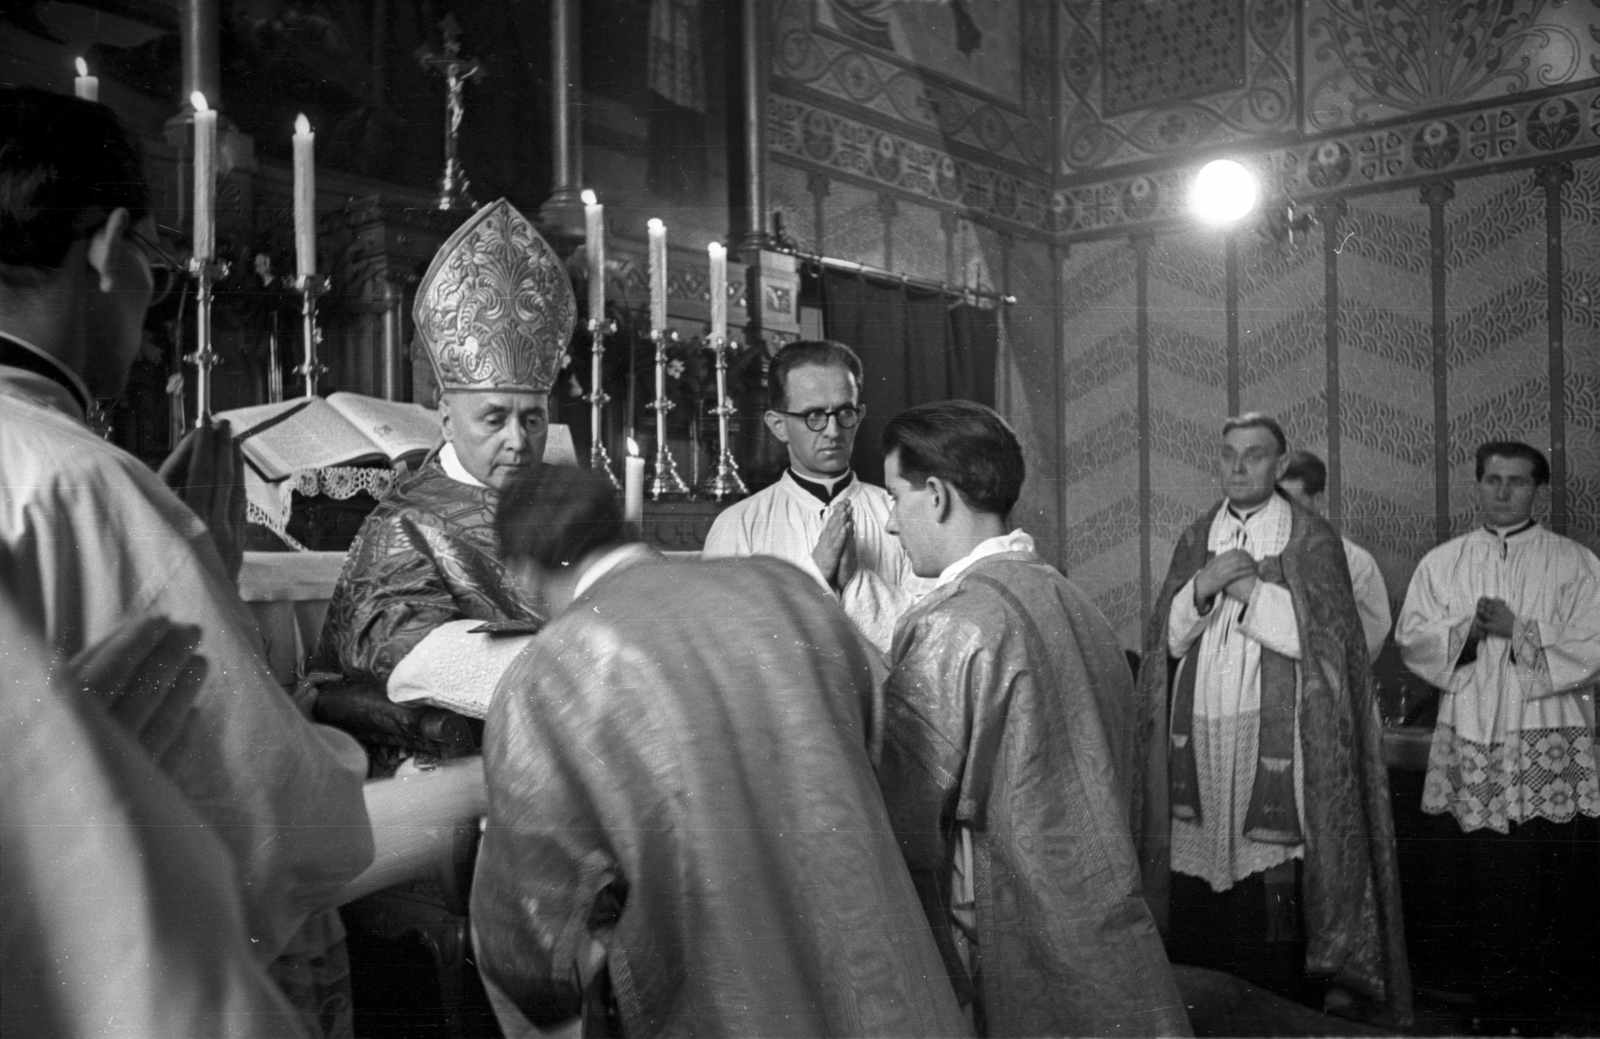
(396, 428)
(314, 436)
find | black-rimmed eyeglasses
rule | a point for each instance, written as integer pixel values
(816, 419)
(166, 271)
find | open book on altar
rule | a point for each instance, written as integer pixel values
(340, 429)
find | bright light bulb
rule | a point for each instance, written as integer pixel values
(1223, 192)
(589, 197)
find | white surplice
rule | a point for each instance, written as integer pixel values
(1227, 701)
(89, 536)
(786, 521)
(1514, 739)
(1372, 596)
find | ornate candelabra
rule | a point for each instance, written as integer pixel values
(454, 192)
(665, 480)
(724, 481)
(207, 273)
(599, 459)
(310, 286)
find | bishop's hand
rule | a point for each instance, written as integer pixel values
(1233, 571)
(206, 471)
(148, 675)
(837, 538)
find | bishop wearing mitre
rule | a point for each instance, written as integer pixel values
(494, 312)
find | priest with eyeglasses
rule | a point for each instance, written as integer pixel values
(819, 515)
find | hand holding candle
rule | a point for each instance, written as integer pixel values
(305, 197)
(86, 86)
(205, 178)
(658, 276)
(594, 241)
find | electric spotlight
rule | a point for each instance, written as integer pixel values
(1223, 192)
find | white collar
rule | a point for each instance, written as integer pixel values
(70, 375)
(1016, 541)
(622, 555)
(454, 469)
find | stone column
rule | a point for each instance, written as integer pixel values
(747, 136)
(564, 207)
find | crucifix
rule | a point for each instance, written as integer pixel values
(457, 71)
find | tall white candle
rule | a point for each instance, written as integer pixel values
(86, 86)
(633, 486)
(658, 276)
(594, 241)
(205, 178)
(718, 255)
(305, 197)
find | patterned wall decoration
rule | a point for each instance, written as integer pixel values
(1524, 130)
(1580, 218)
(1367, 62)
(1144, 81)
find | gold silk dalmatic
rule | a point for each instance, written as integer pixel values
(1009, 714)
(679, 787)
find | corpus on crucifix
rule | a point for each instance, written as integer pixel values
(454, 191)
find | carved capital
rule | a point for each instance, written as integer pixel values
(1551, 177)
(1437, 193)
(818, 184)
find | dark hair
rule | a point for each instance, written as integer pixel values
(821, 352)
(65, 164)
(965, 444)
(1515, 449)
(1309, 470)
(1256, 420)
(554, 515)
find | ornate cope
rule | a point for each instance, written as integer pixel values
(496, 309)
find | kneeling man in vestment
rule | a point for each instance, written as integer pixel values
(1007, 752)
(494, 312)
(1267, 808)
(685, 835)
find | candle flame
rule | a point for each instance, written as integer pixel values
(198, 100)
(633, 447)
(716, 248)
(302, 125)
(83, 66)
(655, 224)
(589, 197)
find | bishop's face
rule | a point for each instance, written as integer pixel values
(496, 433)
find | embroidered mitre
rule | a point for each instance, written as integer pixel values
(495, 310)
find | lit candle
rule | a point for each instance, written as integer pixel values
(305, 197)
(658, 276)
(594, 228)
(718, 254)
(205, 178)
(633, 486)
(86, 86)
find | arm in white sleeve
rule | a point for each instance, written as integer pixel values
(1431, 635)
(1564, 649)
(1185, 622)
(455, 668)
(1372, 600)
(1269, 619)
(874, 604)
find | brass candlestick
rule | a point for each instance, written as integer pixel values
(598, 398)
(310, 286)
(207, 273)
(724, 482)
(665, 480)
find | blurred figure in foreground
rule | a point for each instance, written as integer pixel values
(1008, 752)
(685, 835)
(118, 911)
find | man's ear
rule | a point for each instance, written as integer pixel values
(780, 428)
(942, 494)
(1283, 464)
(445, 419)
(102, 247)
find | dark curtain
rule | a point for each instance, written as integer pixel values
(915, 347)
